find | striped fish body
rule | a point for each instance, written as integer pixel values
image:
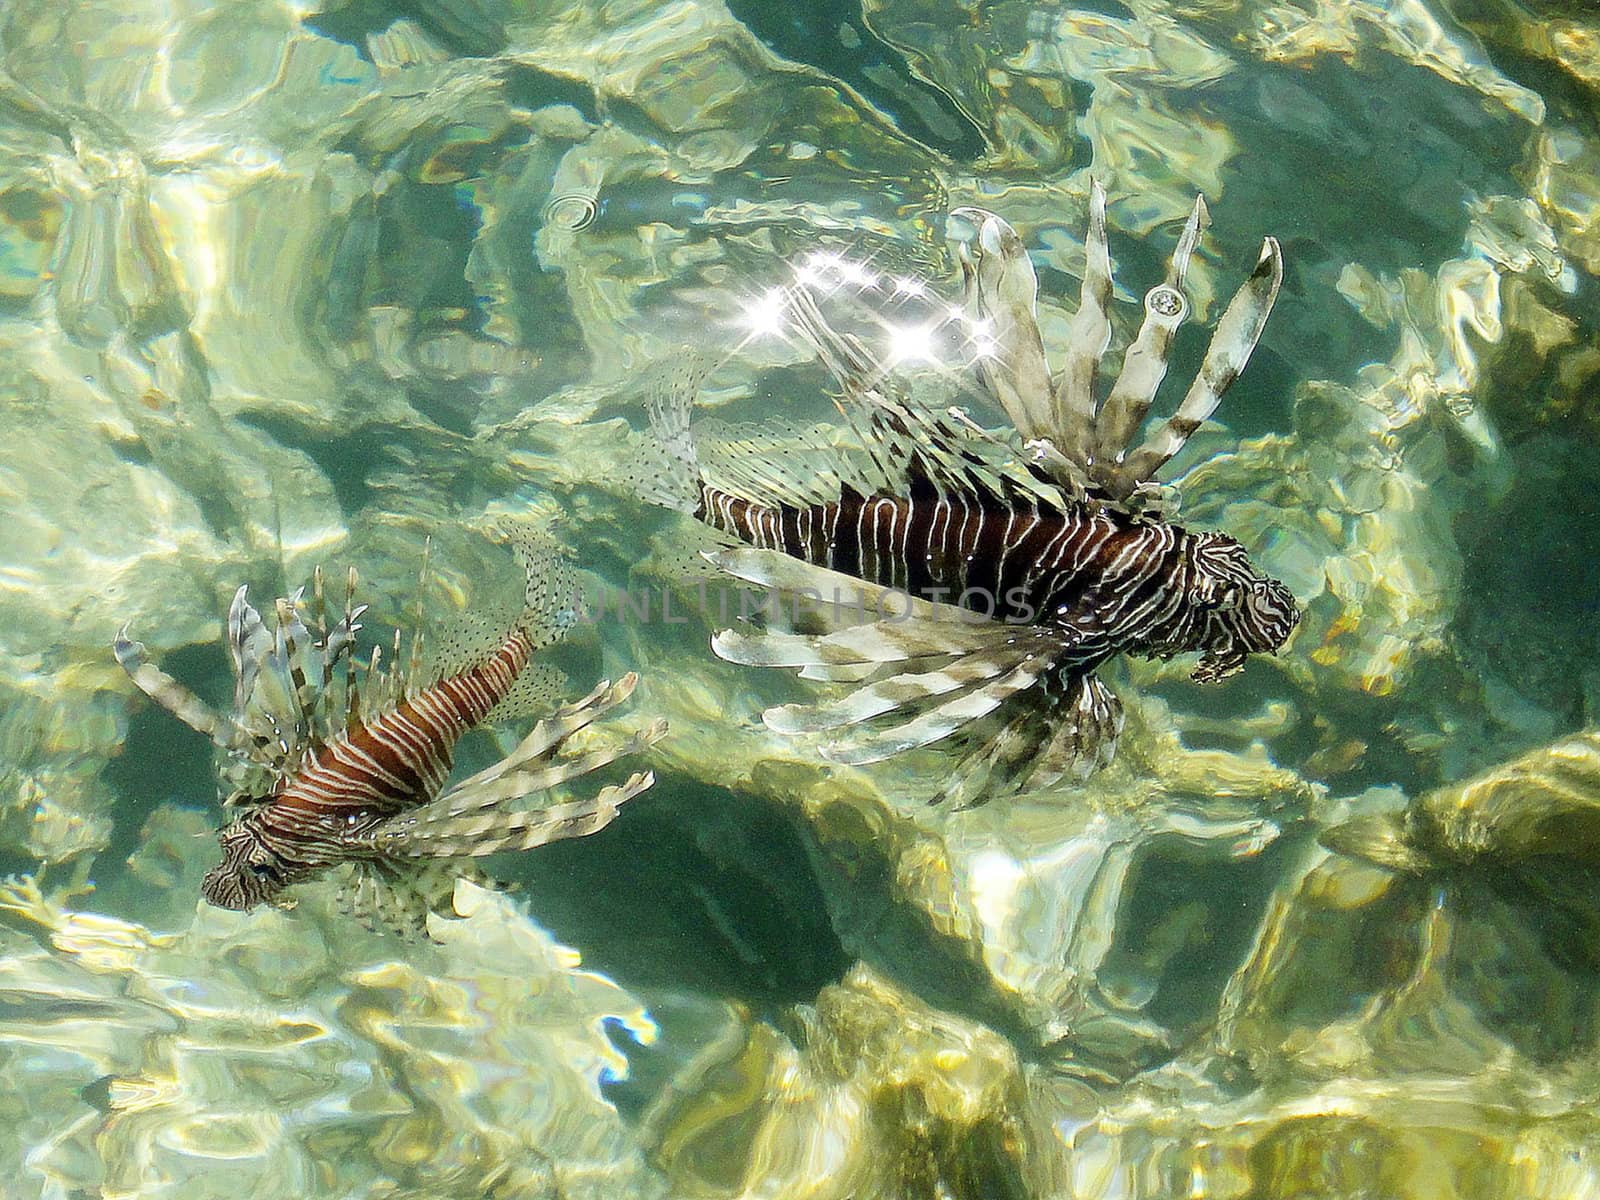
(397, 760)
(315, 786)
(1117, 582)
(402, 757)
(1053, 535)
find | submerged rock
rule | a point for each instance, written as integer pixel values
(877, 1096)
(275, 1055)
(1545, 804)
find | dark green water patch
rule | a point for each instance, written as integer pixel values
(689, 888)
(463, 27)
(831, 36)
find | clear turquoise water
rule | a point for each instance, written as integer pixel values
(295, 284)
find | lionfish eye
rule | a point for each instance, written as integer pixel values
(264, 870)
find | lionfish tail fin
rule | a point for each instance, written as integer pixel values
(668, 473)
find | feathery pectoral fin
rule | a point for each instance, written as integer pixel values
(957, 665)
(904, 691)
(931, 671)
(385, 898)
(481, 795)
(474, 818)
(493, 830)
(969, 702)
(1087, 726)
(549, 733)
(1067, 728)
(784, 573)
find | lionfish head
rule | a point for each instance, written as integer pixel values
(1248, 612)
(249, 873)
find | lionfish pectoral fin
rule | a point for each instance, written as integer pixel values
(1039, 740)
(1087, 726)
(951, 675)
(909, 691)
(856, 646)
(393, 898)
(934, 723)
(840, 672)
(549, 733)
(470, 798)
(782, 573)
(1217, 666)
(991, 768)
(495, 831)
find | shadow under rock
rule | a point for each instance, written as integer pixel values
(690, 889)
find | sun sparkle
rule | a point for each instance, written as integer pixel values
(764, 316)
(911, 343)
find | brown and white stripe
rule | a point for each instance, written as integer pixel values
(1116, 581)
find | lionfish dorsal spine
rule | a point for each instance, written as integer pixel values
(1232, 343)
(1144, 363)
(223, 731)
(1001, 288)
(296, 640)
(352, 698)
(244, 631)
(1087, 338)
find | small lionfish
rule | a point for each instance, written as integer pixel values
(1019, 570)
(319, 783)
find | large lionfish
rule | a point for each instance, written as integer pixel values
(1003, 575)
(344, 769)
